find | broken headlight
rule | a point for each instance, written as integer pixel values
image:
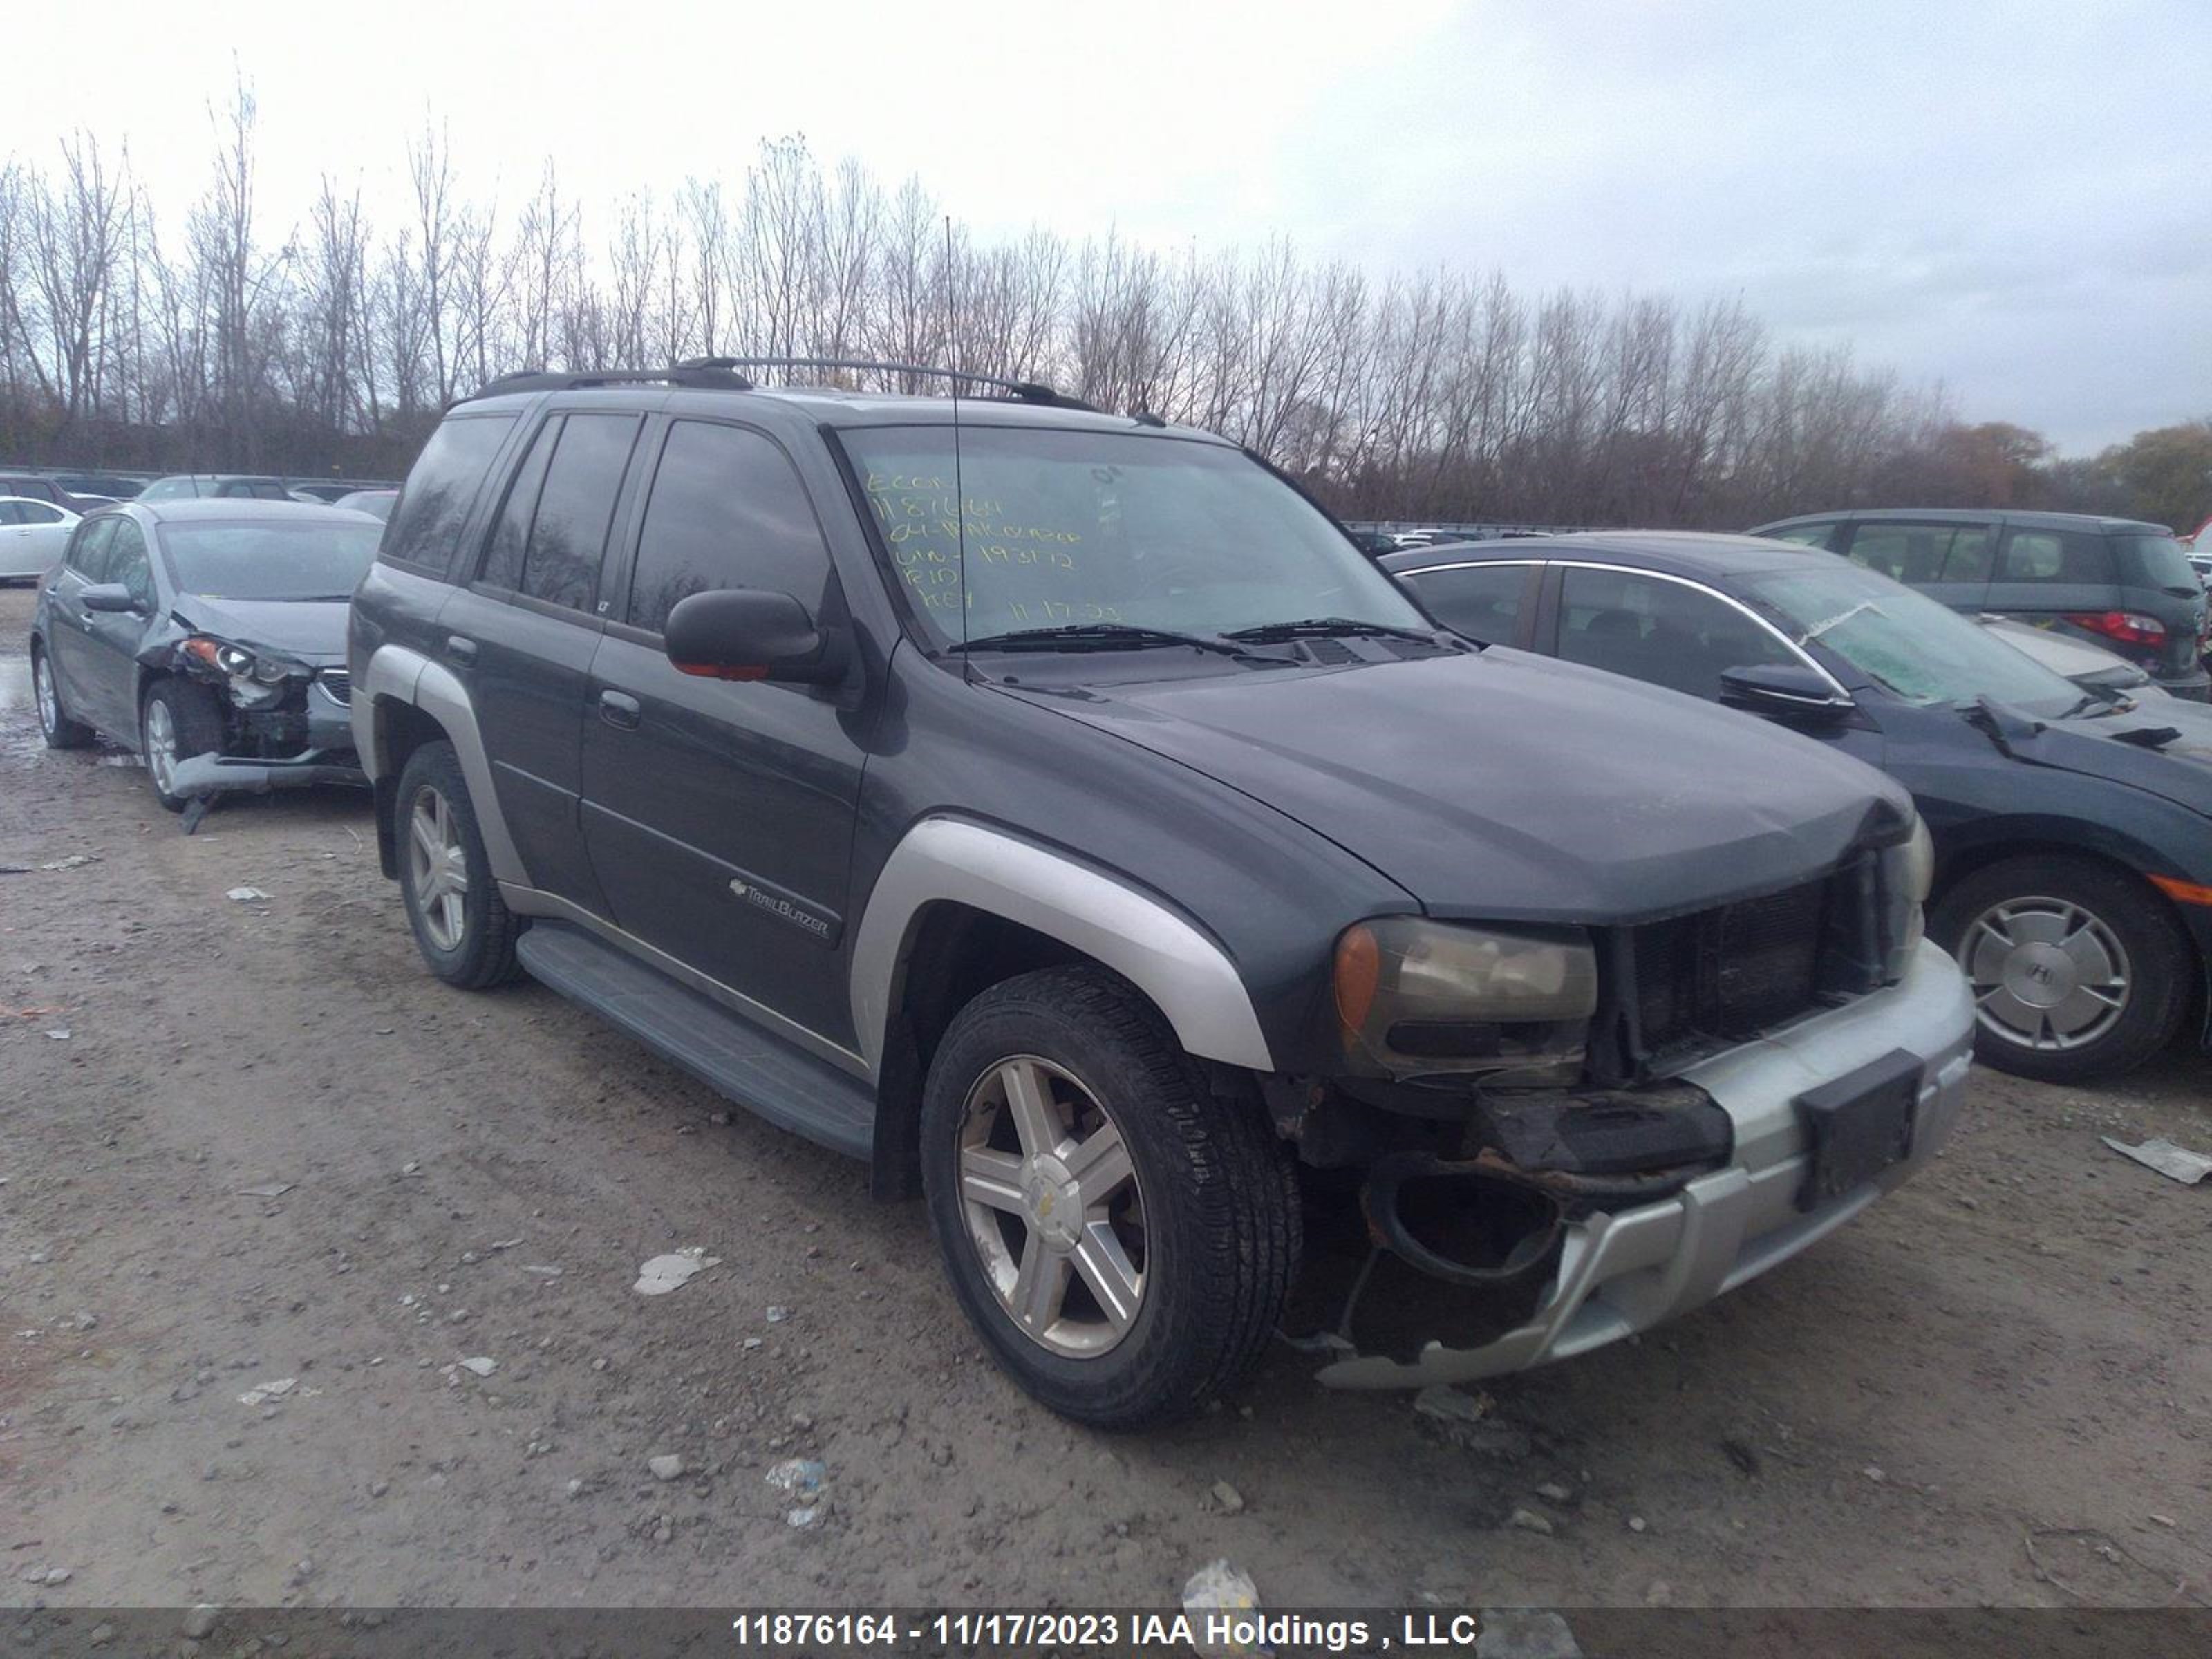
(1420, 999)
(256, 681)
(1908, 870)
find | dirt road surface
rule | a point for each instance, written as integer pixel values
(271, 1147)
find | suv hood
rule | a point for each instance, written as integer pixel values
(1507, 786)
(313, 630)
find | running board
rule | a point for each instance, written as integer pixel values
(727, 1052)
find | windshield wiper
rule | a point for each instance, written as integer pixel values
(1099, 636)
(1322, 628)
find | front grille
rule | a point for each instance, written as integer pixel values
(1730, 972)
(337, 682)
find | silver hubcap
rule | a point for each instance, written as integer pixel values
(1052, 1207)
(42, 687)
(2046, 973)
(438, 869)
(161, 746)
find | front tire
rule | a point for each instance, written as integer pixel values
(1121, 1236)
(177, 720)
(59, 730)
(462, 927)
(2078, 969)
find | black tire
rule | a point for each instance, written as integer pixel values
(59, 730)
(1217, 1192)
(2159, 964)
(479, 952)
(196, 719)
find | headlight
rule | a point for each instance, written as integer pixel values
(241, 664)
(1907, 873)
(1417, 998)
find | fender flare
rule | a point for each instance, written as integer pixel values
(405, 675)
(1188, 976)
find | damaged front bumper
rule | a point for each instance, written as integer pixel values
(326, 756)
(1575, 1276)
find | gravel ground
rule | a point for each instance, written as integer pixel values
(271, 1147)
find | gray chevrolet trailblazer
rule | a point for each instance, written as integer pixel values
(1059, 812)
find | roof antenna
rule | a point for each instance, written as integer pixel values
(960, 487)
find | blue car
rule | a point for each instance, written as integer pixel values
(2073, 829)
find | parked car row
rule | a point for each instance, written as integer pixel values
(1220, 931)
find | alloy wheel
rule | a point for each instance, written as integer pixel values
(1052, 1207)
(438, 866)
(2046, 973)
(42, 689)
(161, 745)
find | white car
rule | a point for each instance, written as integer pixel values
(32, 537)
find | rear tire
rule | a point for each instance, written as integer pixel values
(177, 720)
(2078, 971)
(462, 927)
(1121, 1236)
(59, 730)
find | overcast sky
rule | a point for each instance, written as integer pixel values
(2014, 198)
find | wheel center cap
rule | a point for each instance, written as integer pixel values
(1054, 1207)
(2041, 976)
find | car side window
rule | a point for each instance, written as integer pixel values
(12, 512)
(502, 561)
(1663, 633)
(88, 551)
(38, 513)
(568, 532)
(1969, 559)
(2053, 557)
(127, 562)
(1910, 553)
(1482, 601)
(441, 488)
(1806, 535)
(726, 510)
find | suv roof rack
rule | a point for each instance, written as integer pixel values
(1029, 392)
(706, 372)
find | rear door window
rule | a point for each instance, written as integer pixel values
(510, 534)
(1483, 601)
(2054, 558)
(39, 512)
(726, 511)
(435, 501)
(1806, 535)
(568, 531)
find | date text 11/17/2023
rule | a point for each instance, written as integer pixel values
(1218, 1630)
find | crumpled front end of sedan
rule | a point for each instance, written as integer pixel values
(286, 722)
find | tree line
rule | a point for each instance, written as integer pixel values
(230, 337)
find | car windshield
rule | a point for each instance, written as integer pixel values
(1905, 641)
(1057, 528)
(291, 560)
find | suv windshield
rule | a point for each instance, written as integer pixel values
(1906, 642)
(1067, 527)
(240, 561)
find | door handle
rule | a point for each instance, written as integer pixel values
(462, 651)
(617, 708)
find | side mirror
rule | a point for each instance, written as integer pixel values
(1789, 690)
(111, 597)
(750, 634)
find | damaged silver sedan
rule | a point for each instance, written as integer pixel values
(208, 637)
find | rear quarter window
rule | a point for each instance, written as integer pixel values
(441, 488)
(2054, 557)
(2154, 561)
